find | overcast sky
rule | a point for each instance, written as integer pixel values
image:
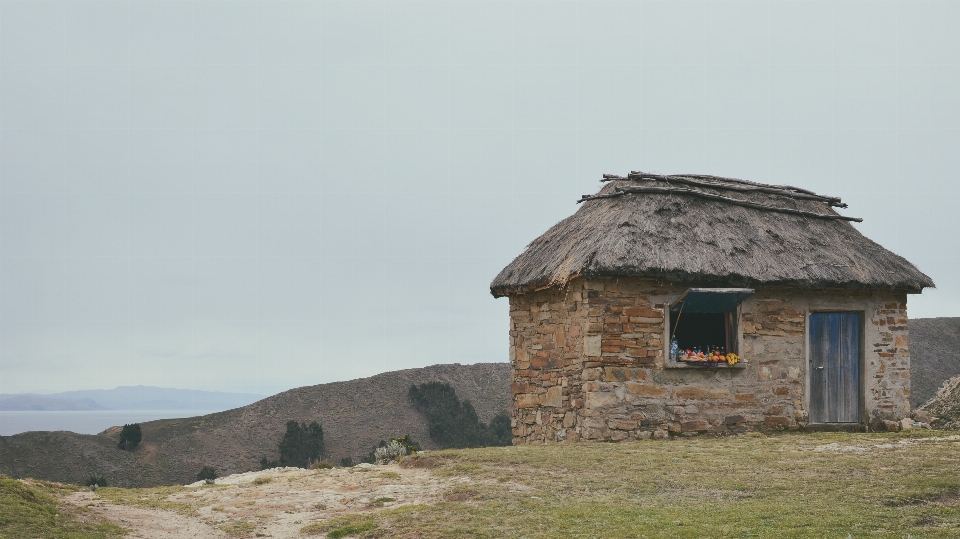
(253, 196)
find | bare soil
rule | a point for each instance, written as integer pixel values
(270, 503)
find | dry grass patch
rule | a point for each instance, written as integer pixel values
(864, 485)
(154, 498)
(433, 460)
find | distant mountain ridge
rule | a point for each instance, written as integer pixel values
(129, 398)
(23, 403)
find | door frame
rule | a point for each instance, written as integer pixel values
(861, 365)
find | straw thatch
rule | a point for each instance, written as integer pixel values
(708, 230)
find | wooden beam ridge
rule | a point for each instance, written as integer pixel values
(620, 191)
(746, 186)
(785, 190)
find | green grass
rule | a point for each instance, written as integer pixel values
(345, 526)
(31, 510)
(238, 528)
(773, 486)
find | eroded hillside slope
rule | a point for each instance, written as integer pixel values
(934, 356)
(355, 415)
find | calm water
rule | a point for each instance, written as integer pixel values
(87, 422)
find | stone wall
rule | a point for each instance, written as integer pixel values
(610, 379)
(887, 362)
(546, 351)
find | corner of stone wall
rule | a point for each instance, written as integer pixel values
(887, 344)
(547, 332)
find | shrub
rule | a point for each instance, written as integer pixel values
(391, 451)
(130, 437)
(407, 442)
(411, 446)
(207, 473)
(95, 481)
(453, 423)
(346, 462)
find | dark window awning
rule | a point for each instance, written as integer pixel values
(711, 300)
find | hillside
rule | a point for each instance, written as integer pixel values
(934, 356)
(355, 415)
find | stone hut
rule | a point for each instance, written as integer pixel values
(815, 312)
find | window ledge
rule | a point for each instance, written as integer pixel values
(704, 367)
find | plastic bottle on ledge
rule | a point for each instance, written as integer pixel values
(674, 350)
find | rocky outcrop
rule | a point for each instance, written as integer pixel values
(944, 409)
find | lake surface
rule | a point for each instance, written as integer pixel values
(85, 422)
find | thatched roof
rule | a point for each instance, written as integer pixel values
(708, 230)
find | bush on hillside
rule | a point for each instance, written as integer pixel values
(130, 437)
(95, 481)
(207, 473)
(453, 423)
(390, 452)
(408, 443)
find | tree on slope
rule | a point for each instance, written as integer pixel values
(302, 444)
(130, 437)
(454, 423)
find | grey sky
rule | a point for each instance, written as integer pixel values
(252, 196)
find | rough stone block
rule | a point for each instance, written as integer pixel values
(518, 387)
(702, 393)
(618, 435)
(591, 345)
(528, 400)
(693, 426)
(591, 374)
(776, 421)
(599, 399)
(553, 398)
(890, 426)
(645, 390)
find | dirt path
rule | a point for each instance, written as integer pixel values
(272, 503)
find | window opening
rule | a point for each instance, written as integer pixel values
(704, 320)
(702, 330)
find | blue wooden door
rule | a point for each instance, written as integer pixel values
(835, 368)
